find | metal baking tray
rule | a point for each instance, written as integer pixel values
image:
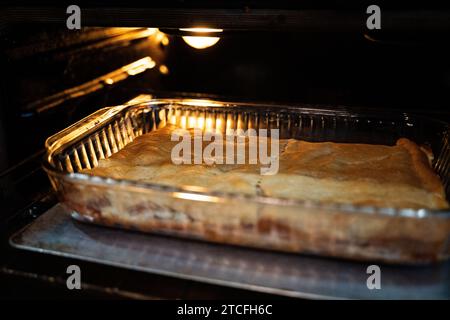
(292, 275)
(397, 235)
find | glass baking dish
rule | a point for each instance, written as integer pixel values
(404, 236)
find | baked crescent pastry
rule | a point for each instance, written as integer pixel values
(398, 176)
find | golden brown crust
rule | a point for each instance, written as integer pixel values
(422, 168)
(397, 176)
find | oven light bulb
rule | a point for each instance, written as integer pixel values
(200, 42)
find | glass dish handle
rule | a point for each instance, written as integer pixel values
(81, 127)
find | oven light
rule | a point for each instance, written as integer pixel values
(201, 42)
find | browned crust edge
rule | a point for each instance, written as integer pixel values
(424, 171)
